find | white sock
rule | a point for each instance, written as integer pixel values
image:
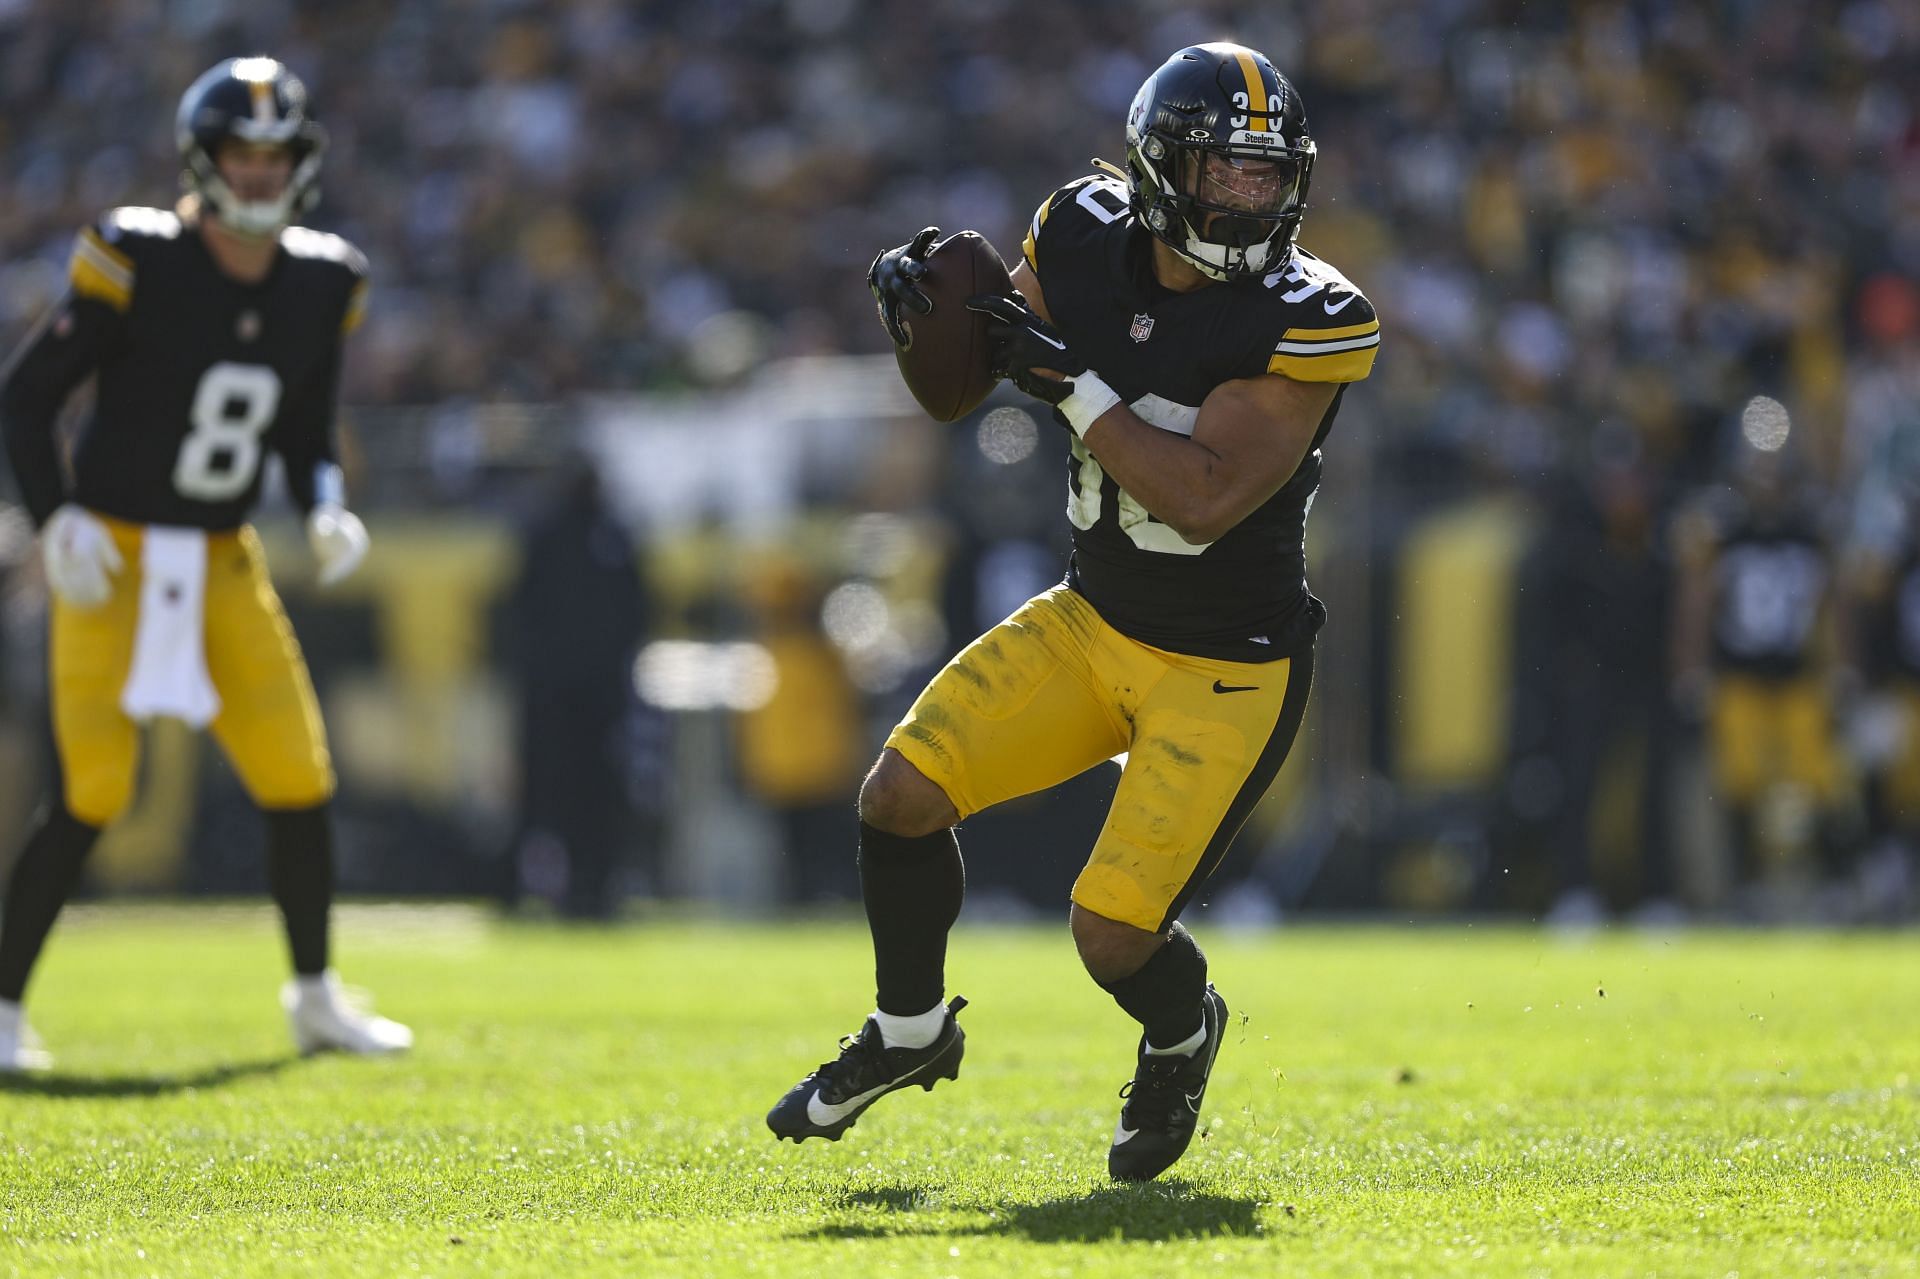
(313, 985)
(912, 1032)
(1185, 1048)
(9, 1010)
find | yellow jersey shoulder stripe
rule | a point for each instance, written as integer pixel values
(356, 309)
(100, 271)
(91, 239)
(1331, 346)
(1327, 355)
(1331, 363)
(1345, 331)
(1303, 345)
(1028, 246)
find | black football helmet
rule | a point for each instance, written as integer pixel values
(1218, 159)
(249, 100)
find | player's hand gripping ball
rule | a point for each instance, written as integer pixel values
(942, 348)
(1026, 350)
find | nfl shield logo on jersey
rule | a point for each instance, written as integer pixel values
(1142, 328)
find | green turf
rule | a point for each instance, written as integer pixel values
(1400, 1102)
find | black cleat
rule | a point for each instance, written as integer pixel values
(827, 1102)
(1163, 1102)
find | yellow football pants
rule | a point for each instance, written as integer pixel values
(269, 722)
(1054, 690)
(1763, 731)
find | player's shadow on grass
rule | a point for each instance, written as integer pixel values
(1160, 1210)
(60, 1084)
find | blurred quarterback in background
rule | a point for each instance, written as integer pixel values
(215, 334)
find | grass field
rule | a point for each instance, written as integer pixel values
(1399, 1102)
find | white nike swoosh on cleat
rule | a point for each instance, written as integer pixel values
(822, 1113)
(1123, 1134)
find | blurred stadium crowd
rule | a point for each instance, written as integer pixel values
(1625, 504)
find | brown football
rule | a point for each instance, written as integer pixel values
(945, 362)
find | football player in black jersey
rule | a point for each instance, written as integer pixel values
(1197, 355)
(1753, 649)
(214, 336)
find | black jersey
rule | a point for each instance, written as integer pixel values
(1243, 597)
(199, 375)
(1771, 578)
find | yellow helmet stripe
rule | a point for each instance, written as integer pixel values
(1256, 92)
(262, 91)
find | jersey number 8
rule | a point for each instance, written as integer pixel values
(221, 454)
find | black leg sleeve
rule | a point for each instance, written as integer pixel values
(42, 880)
(300, 874)
(1165, 994)
(913, 889)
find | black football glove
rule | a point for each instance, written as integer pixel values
(1023, 342)
(893, 276)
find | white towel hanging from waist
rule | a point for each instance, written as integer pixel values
(169, 674)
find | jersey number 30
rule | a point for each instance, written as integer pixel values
(1084, 498)
(221, 454)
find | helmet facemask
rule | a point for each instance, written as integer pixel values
(263, 219)
(1233, 211)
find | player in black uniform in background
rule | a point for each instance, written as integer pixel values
(1753, 649)
(214, 335)
(1198, 357)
